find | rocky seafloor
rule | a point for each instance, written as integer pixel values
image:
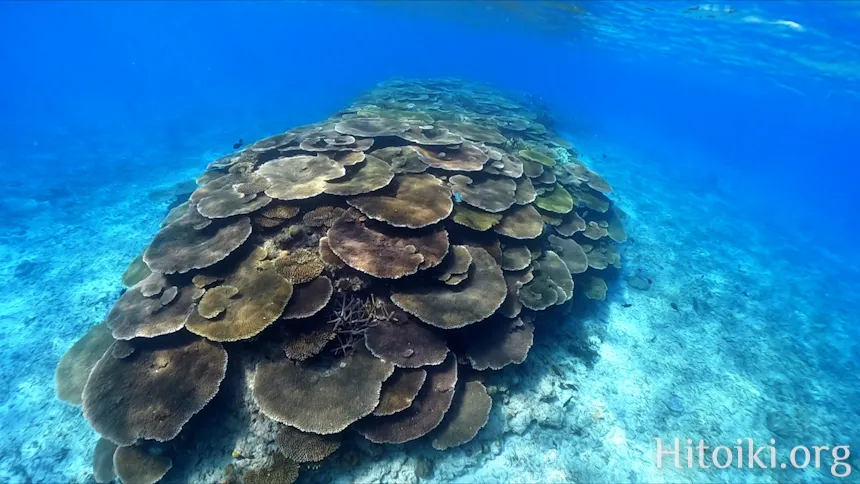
(705, 335)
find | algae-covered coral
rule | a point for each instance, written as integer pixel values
(431, 224)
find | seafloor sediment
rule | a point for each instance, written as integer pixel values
(692, 344)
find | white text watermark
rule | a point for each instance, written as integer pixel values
(747, 455)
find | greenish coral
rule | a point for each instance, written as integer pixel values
(537, 157)
(557, 201)
(474, 218)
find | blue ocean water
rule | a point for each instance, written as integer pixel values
(728, 130)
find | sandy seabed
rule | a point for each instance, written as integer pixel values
(742, 332)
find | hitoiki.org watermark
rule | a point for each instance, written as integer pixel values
(746, 454)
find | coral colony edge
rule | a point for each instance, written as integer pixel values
(358, 276)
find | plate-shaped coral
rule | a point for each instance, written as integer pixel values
(349, 265)
(195, 242)
(256, 300)
(383, 251)
(399, 391)
(153, 392)
(75, 366)
(300, 177)
(321, 398)
(412, 201)
(424, 415)
(466, 417)
(450, 307)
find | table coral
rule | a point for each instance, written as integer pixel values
(438, 220)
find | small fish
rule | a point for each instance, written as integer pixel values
(626, 305)
(238, 144)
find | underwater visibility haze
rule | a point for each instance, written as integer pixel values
(429, 241)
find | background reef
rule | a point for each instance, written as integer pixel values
(734, 313)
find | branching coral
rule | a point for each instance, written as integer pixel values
(352, 316)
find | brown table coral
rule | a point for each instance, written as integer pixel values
(365, 268)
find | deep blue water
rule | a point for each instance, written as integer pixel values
(97, 76)
(761, 113)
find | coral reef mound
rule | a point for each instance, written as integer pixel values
(359, 273)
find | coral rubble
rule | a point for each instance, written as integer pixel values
(365, 268)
